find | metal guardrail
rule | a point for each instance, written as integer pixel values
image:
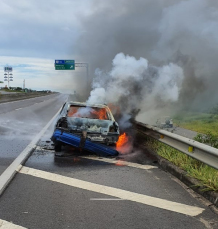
(199, 151)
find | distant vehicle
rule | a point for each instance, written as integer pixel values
(95, 120)
(166, 122)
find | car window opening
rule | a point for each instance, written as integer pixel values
(88, 112)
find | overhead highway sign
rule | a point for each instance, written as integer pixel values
(64, 64)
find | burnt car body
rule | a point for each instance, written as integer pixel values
(96, 121)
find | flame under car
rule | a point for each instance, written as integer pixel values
(95, 120)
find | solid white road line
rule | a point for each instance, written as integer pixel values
(115, 192)
(104, 199)
(9, 173)
(122, 163)
(7, 225)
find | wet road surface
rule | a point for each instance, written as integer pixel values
(21, 120)
(87, 191)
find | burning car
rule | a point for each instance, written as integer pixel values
(96, 121)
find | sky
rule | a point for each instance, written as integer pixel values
(33, 34)
(166, 34)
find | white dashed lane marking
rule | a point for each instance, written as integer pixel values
(18, 109)
(115, 192)
(7, 225)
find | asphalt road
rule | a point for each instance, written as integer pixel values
(21, 120)
(85, 191)
(91, 192)
(182, 132)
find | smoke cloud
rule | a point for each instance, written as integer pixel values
(164, 54)
(135, 85)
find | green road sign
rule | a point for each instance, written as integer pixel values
(64, 66)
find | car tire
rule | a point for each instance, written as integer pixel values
(57, 147)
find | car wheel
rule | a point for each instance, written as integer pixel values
(57, 147)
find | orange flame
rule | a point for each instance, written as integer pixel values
(123, 139)
(101, 113)
(72, 111)
(96, 113)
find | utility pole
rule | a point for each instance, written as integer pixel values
(24, 84)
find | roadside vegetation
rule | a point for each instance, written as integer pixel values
(18, 89)
(206, 175)
(206, 125)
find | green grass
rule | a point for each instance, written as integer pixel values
(206, 175)
(207, 125)
(199, 122)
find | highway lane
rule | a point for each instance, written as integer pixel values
(85, 191)
(13, 105)
(182, 132)
(21, 120)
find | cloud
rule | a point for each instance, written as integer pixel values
(40, 74)
(33, 34)
(37, 28)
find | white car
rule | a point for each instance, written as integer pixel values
(95, 120)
